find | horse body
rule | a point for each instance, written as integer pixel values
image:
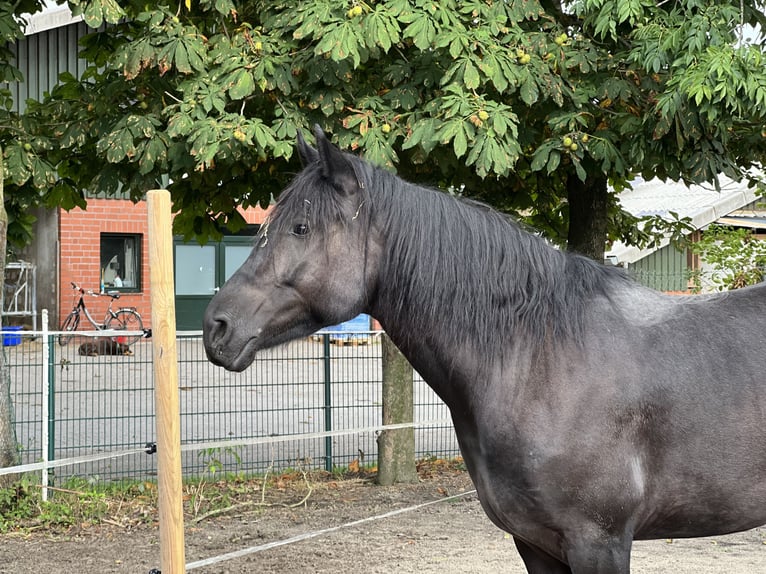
(590, 411)
(600, 443)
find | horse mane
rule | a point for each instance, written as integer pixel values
(465, 269)
(476, 274)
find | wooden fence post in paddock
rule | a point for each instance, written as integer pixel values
(166, 383)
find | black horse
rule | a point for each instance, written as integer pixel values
(591, 411)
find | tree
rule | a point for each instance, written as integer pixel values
(10, 29)
(396, 447)
(534, 108)
(733, 257)
(8, 452)
(541, 108)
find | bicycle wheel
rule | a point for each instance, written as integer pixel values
(70, 324)
(125, 320)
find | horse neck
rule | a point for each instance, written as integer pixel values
(452, 293)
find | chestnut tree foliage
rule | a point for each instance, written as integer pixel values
(537, 107)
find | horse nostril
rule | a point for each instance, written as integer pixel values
(214, 330)
(220, 327)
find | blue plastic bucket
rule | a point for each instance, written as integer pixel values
(12, 336)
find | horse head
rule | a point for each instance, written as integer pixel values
(312, 264)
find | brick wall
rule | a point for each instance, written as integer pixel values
(79, 258)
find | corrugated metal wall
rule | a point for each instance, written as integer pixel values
(665, 270)
(43, 57)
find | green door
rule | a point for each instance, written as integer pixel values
(200, 270)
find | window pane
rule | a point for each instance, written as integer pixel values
(235, 257)
(195, 270)
(120, 261)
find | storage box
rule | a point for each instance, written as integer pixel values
(12, 336)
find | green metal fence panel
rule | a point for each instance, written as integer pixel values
(665, 270)
(280, 394)
(25, 370)
(105, 403)
(101, 403)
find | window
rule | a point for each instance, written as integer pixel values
(121, 261)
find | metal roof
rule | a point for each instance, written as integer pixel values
(50, 17)
(701, 203)
(753, 222)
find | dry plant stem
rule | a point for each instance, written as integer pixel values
(57, 489)
(260, 504)
(196, 496)
(263, 487)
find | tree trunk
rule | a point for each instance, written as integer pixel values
(8, 451)
(588, 203)
(396, 448)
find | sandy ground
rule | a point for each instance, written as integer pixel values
(452, 536)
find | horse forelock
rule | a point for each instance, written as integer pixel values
(311, 197)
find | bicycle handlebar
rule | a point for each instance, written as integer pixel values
(112, 294)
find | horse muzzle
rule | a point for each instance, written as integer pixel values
(223, 344)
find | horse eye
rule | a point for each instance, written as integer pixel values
(300, 229)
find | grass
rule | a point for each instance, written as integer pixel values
(81, 504)
(75, 503)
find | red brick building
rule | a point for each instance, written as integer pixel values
(106, 248)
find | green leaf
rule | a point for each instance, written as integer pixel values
(99, 11)
(18, 165)
(540, 157)
(460, 143)
(43, 173)
(242, 84)
(64, 195)
(181, 58)
(155, 152)
(341, 42)
(422, 31)
(141, 126)
(471, 77)
(423, 134)
(382, 28)
(195, 51)
(140, 54)
(117, 145)
(553, 161)
(212, 99)
(529, 92)
(499, 123)
(225, 7)
(579, 169)
(180, 125)
(93, 14)
(263, 135)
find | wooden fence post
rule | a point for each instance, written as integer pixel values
(166, 383)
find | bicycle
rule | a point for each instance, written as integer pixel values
(123, 319)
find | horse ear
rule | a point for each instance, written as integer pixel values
(336, 168)
(307, 153)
